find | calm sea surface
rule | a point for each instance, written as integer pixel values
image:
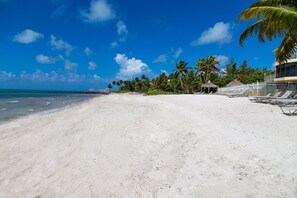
(17, 103)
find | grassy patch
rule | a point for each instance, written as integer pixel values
(152, 92)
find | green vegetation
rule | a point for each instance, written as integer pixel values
(185, 79)
(274, 18)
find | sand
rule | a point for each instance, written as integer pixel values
(151, 146)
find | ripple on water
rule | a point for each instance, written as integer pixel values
(3, 109)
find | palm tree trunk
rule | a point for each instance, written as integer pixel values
(181, 82)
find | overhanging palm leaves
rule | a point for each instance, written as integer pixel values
(274, 18)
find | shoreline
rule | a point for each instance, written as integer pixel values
(45, 111)
(123, 145)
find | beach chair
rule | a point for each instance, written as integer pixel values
(199, 92)
(253, 98)
(285, 101)
(289, 110)
(240, 93)
(264, 99)
(272, 100)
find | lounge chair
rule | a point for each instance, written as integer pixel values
(264, 99)
(289, 109)
(285, 101)
(240, 93)
(272, 100)
(253, 98)
(199, 92)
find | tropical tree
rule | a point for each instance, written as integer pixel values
(181, 69)
(231, 68)
(206, 66)
(109, 86)
(274, 18)
(190, 82)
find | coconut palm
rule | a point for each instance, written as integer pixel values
(181, 69)
(190, 82)
(206, 66)
(274, 18)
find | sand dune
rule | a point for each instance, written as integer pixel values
(151, 146)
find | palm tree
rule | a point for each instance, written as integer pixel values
(181, 69)
(206, 66)
(144, 77)
(109, 86)
(274, 18)
(190, 82)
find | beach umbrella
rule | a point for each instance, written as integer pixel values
(234, 83)
(209, 85)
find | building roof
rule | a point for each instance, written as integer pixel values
(209, 85)
(234, 83)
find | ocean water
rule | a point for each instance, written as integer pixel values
(17, 103)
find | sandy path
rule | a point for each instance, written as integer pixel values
(160, 146)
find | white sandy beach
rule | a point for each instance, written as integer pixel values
(151, 146)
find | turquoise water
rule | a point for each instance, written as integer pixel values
(17, 103)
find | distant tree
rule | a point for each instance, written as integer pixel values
(231, 68)
(181, 69)
(190, 82)
(206, 66)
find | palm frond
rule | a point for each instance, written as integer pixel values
(286, 48)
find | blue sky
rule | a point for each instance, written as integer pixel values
(84, 44)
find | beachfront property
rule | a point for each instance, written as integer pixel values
(286, 72)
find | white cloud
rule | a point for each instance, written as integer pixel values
(27, 36)
(59, 44)
(130, 67)
(96, 77)
(73, 77)
(160, 59)
(220, 33)
(114, 44)
(121, 28)
(92, 65)
(70, 66)
(88, 51)
(43, 59)
(223, 60)
(178, 52)
(59, 11)
(4, 75)
(164, 71)
(98, 12)
(40, 76)
(122, 32)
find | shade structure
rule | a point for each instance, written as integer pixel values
(209, 86)
(234, 83)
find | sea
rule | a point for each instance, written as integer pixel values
(18, 103)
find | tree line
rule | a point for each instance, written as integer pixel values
(186, 79)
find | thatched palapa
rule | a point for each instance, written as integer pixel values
(209, 86)
(234, 83)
